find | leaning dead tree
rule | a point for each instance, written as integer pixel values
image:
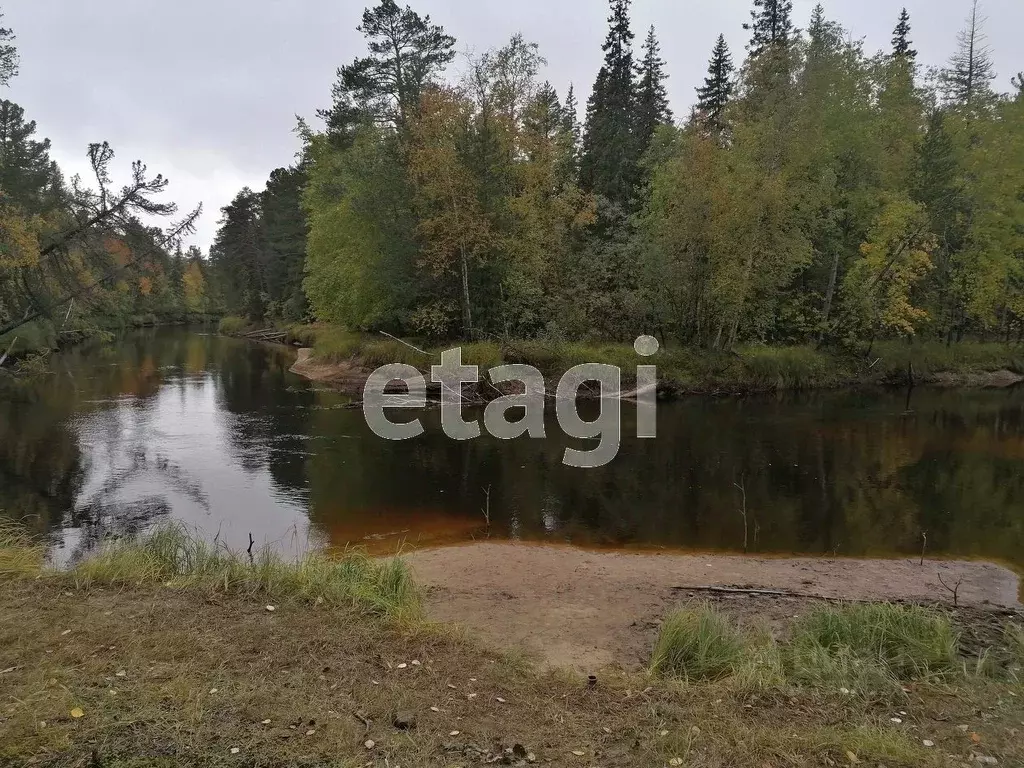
(96, 217)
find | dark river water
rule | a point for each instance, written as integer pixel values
(179, 425)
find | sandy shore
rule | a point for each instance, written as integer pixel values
(589, 610)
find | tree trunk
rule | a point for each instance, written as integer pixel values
(467, 312)
(829, 297)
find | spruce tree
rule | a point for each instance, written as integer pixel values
(714, 96)
(652, 107)
(901, 38)
(27, 174)
(771, 25)
(968, 79)
(608, 166)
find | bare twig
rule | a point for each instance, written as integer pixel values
(924, 545)
(742, 487)
(487, 509)
(954, 590)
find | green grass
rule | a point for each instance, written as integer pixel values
(697, 643)
(174, 557)
(233, 326)
(334, 345)
(908, 642)
(931, 357)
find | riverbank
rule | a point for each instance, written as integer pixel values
(589, 609)
(40, 338)
(171, 653)
(344, 360)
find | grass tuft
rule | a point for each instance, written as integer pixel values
(21, 554)
(697, 643)
(874, 640)
(176, 558)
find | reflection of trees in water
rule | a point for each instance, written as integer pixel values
(269, 414)
(845, 473)
(97, 521)
(41, 457)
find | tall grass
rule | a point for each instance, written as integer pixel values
(697, 643)
(21, 554)
(907, 642)
(334, 345)
(233, 326)
(174, 557)
(1015, 645)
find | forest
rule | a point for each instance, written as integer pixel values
(813, 193)
(77, 257)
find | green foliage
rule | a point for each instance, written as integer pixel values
(697, 643)
(909, 642)
(817, 196)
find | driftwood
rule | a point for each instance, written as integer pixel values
(266, 334)
(738, 591)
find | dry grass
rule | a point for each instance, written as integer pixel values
(161, 674)
(164, 652)
(20, 554)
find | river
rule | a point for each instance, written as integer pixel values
(180, 425)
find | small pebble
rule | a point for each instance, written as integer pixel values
(271, 608)
(929, 743)
(369, 744)
(235, 750)
(454, 733)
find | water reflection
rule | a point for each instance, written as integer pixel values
(215, 432)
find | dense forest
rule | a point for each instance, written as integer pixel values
(813, 193)
(77, 257)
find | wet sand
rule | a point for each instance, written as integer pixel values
(591, 610)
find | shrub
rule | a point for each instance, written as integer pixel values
(697, 643)
(908, 642)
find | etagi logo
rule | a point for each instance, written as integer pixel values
(451, 374)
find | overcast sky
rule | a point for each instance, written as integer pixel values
(206, 91)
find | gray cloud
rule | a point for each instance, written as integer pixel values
(205, 91)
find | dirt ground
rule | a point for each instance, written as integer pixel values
(592, 610)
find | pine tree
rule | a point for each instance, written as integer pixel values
(608, 166)
(407, 52)
(8, 56)
(901, 38)
(714, 96)
(771, 25)
(968, 79)
(652, 107)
